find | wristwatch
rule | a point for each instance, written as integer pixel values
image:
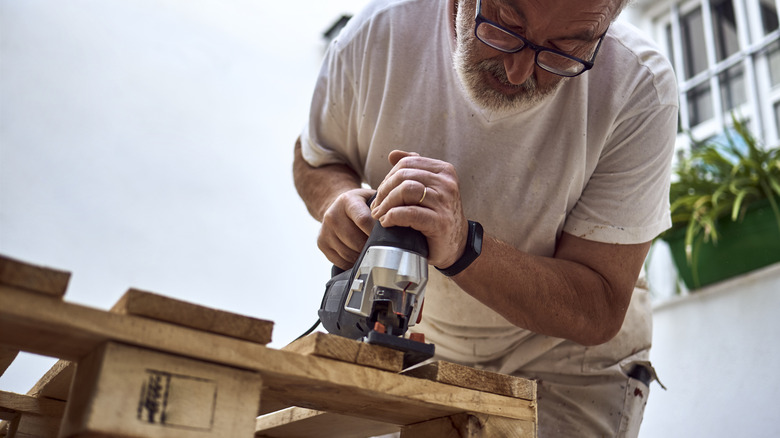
(472, 251)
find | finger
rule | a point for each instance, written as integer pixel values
(421, 219)
(359, 213)
(396, 155)
(408, 193)
(339, 252)
(397, 178)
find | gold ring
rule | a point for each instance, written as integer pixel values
(425, 192)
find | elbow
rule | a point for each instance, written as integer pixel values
(603, 327)
(599, 336)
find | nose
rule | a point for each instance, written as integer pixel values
(519, 66)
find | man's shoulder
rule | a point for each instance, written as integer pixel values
(381, 15)
(631, 58)
(628, 43)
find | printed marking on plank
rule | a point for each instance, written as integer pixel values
(176, 400)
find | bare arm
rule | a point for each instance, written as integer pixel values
(333, 196)
(581, 293)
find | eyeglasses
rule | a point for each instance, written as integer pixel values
(551, 60)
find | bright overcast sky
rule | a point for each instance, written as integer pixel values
(148, 144)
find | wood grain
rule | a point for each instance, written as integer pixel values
(469, 425)
(336, 347)
(467, 377)
(48, 281)
(7, 356)
(125, 391)
(327, 346)
(35, 417)
(301, 422)
(150, 305)
(69, 331)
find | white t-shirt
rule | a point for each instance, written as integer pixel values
(592, 160)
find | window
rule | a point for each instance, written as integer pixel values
(726, 54)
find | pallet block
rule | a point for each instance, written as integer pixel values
(125, 391)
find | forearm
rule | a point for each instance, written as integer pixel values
(319, 186)
(549, 295)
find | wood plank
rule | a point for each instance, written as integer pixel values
(7, 356)
(34, 278)
(31, 405)
(297, 422)
(9, 423)
(127, 391)
(348, 350)
(70, 331)
(36, 417)
(327, 346)
(150, 305)
(383, 358)
(55, 383)
(466, 377)
(472, 426)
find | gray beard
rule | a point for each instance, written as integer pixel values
(472, 73)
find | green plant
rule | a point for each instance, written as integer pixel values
(718, 180)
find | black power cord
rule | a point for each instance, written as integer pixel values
(311, 329)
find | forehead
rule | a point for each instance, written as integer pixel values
(586, 17)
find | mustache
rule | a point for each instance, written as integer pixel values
(495, 67)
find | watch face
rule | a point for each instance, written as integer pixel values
(477, 242)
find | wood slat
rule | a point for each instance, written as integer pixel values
(466, 377)
(348, 350)
(55, 384)
(150, 305)
(7, 356)
(298, 422)
(327, 346)
(472, 426)
(70, 331)
(48, 281)
(35, 417)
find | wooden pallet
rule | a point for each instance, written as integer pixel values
(158, 367)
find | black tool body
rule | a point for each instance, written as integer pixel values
(392, 306)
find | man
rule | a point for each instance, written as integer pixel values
(547, 123)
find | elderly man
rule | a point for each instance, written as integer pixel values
(530, 142)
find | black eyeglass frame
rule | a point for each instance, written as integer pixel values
(480, 19)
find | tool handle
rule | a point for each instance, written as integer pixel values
(399, 237)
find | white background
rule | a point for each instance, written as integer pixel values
(148, 144)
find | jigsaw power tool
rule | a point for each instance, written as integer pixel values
(381, 296)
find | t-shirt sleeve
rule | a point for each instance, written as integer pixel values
(626, 199)
(323, 140)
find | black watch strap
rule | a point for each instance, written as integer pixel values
(472, 251)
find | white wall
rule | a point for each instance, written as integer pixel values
(148, 144)
(717, 352)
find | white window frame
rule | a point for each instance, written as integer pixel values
(761, 98)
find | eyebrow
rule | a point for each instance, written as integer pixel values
(584, 35)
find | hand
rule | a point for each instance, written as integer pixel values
(346, 225)
(440, 214)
